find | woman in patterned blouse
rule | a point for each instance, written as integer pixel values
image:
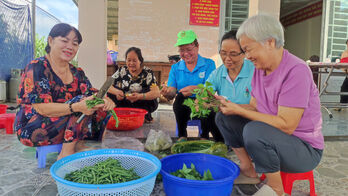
(135, 85)
(52, 95)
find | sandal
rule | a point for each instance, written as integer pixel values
(266, 190)
(243, 179)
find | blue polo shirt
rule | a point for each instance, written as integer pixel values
(180, 76)
(238, 91)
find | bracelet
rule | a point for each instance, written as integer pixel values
(144, 96)
(70, 107)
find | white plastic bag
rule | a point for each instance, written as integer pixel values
(158, 140)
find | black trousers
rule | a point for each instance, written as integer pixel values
(182, 116)
(149, 105)
(344, 88)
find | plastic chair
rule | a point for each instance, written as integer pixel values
(289, 178)
(42, 151)
(191, 123)
(6, 121)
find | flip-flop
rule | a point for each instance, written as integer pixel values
(243, 179)
(266, 190)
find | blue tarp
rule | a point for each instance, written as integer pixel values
(16, 40)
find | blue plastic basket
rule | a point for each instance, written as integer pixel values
(223, 170)
(145, 165)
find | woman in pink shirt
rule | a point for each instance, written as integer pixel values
(280, 129)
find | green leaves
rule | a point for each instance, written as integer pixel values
(40, 45)
(205, 101)
(192, 173)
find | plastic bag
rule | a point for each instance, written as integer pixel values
(157, 141)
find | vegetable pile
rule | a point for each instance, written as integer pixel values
(200, 146)
(205, 101)
(109, 171)
(192, 173)
(96, 101)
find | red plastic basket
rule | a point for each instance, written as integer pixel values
(3, 108)
(130, 119)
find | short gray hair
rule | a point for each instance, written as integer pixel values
(262, 27)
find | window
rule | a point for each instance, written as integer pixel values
(236, 12)
(337, 28)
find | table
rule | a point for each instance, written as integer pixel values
(329, 68)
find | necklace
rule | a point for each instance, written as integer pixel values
(63, 73)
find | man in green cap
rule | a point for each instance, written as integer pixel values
(184, 77)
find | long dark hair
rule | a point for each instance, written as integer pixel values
(62, 29)
(138, 52)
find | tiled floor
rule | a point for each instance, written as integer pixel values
(19, 175)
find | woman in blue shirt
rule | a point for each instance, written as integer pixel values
(233, 81)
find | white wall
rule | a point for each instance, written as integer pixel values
(303, 39)
(92, 52)
(153, 25)
(271, 7)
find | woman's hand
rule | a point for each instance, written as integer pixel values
(134, 97)
(228, 107)
(81, 106)
(120, 95)
(108, 104)
(187, 91)
(117, 92)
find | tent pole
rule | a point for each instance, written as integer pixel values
(33, 6)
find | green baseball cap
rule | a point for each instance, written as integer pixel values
(185, 37)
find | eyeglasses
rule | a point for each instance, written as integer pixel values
(231, 54)
(188, 50)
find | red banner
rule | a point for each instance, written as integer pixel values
(205, 12)
(303, 14)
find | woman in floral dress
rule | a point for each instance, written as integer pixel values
(135, 85)
(52, 95)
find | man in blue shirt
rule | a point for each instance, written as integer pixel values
(184, 77)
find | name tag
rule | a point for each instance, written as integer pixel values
(201, 75)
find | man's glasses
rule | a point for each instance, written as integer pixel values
(231, 54)
(188, 50)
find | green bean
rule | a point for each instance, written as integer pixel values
(91, 103)
(105, 172)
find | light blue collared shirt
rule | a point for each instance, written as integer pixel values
(238, 91)
(180, 76)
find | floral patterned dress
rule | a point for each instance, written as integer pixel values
(141, 84)
(39, 84)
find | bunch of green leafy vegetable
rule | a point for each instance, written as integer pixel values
(109, 171)
(91, 103)
(205, 101)
(200, 146)
(192, 173)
